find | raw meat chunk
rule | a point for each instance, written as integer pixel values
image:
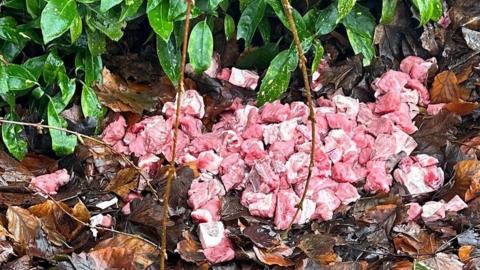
(50, 183)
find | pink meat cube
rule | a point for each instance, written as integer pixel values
(115, 131)
(205, 142)
(202, 190)
(264, 169)
(299, 110)
(433, 211)
(211, 234)
(388, 102)
(390, 81)
(244, 78)
(297, 167)
(275, 112)
(455, 204)
(209, 161)
(365, 114)
(259, 204)
(285, 210)
(191, 126)
(253, 149)
(421, 90)
(346, 193)
(326, 202)
(223, 252)
(380, 125)
(149, 163)
(340, 121)
(209, 212)
(404, 142)
(416, 67)
(224, 74)
(343, 172)
(181, 147)
(347, 105)
(308, 210)
(414, 211)
(232, 171)
(418, 179)
(50, 183)
(377, 178)
(191, 104)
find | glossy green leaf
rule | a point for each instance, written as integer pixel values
(249, 20)
(428, 9)
(92, 65)
(276, 81)
(62, 143)
(178, 8)
(9, 31)
(10, 50)
(14, 4)
(360, 25)
(106, 5)
(158, 18)
(297, 17)
(53, 66)
(129, 11)
(388, 11)
(19, 78)
(264, 28)
(96, 42)
(344, 7)
(12, 137)
(76, 29)
(213, 4)
(319, 51)
(34, 7)
(200, 47)
(169, 57)
(4, 90)
(229, 26)
(107, 23)
(35, 65)
(326, 20)
(91, 106)
(67, 90)
(57, 17)
(224, 4)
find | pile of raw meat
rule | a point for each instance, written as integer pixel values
(265, 152)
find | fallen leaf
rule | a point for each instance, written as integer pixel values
(262, 236)
(12, 171)
(271, 258)
(319, 247)
(446, 88)
(142, 251)
(466, 181)
(124, 181)
(464, 252)
(461, 107)
(39, 164)
(6, 251)
(22, 224)
(113, 258)
(402, 265)
(465, 73)
(122, 96)
(344, 75)
(472, 38)
(439, 261)
(412, 240)
(189, 249)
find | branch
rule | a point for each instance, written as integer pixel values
(288, 11)
(81, 137)
(172, 174)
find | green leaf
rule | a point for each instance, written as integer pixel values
(34, 7)
(19, 78)
(35, 65)
(67, 90)
(249, 20)
(388, 11)
(12, 137)
(14, 4)
(4, 90)
(297, 17)
(327, 20)
(93, 69)
(62, 143)
(57, 17)
(53, 66)
(229, 26)
(213, 4)
(200, 47)
(9, 31)
(76, 29)
(344, 7)
(178, 8)
(130, 10)
(11, 50)
(360, 25)
(91, 106)
(106, 5)
(428, 9)
(96, 42)
(276, 81)
(169, 57)
(106, 23)
(264, 28)
(158, 18)
(257, 57)
(319, 51)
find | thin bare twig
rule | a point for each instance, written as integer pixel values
(303, 66)
(172, 174)
(81, 137)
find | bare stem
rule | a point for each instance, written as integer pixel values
(303, 66)
(81, 137)
(172, 173)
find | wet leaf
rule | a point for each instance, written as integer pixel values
(461, 107)
(360, 25)
(57, 16)
(39, 164)
(439, 261)
(22, 224)
(200, 47)
(472, 38)
(121, 96)
(446, 88)
(157, 11)
(429, 10)
(319, 247)
(12, 137)
(249, 20)
(113, 258)
(344, 7)
(19, 78)
(271, 258)
(262, 236)
(62, 143)
(169, 57)
(388, 11)
(326, 20)
(189, 249)
(464, 252)
(415, 241)
(124, 181)
(466, 181)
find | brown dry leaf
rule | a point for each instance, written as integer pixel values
(121, 96)
(319, 248)
(22, 224)
(113, 258)
(402, 265)
(379, 213)
(271, 258)
(142, 251)
(39, 164)
(13, 171)
(464, 74)
(461, 107)
(415, 241)
(464, 252)
(81, 212)
(189, 249)
(261, 235)
(124, 181)
(466, 181)
(446, 88)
